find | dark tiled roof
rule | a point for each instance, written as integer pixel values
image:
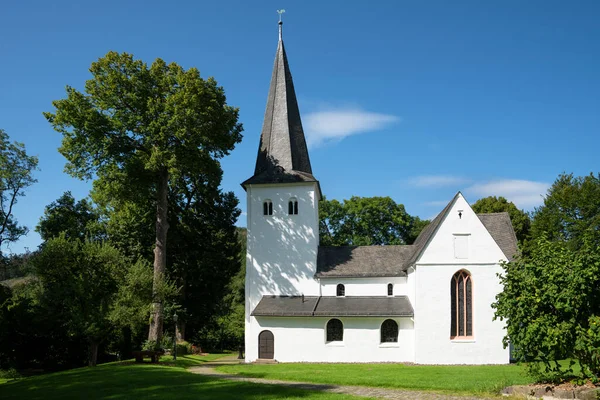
(393, 306)
(501, 229)
(428, 232)
(290, 306)
(362, 261)
(293, 306)
(282, 142)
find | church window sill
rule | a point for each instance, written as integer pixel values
(389, 345)
(463, 340)
(335, 344)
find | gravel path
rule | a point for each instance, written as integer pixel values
(208, 369)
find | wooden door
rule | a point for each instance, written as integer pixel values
(266, 345)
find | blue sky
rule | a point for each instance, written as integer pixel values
(413, 100)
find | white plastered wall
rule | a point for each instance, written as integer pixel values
(434, 271)
(282, 249)
(364, 286)
(302, 339)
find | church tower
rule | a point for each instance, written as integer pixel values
(282, 205)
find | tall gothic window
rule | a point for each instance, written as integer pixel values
(293, 207)
(461, 307)
(340, 290)
(268, 207)
(335, 330)
(389, 331)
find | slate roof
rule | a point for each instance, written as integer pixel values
(380, 261)
(282, 153)
(362, 261)
(329, 306)
(501, 229)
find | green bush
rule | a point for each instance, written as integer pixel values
(184, 348)
(9, 374)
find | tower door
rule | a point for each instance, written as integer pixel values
(266, 345)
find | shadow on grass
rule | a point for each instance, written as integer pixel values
(142, 381)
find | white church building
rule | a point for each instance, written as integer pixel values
(427, 303)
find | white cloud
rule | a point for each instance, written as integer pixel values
(336, 124)
(437, 181)
(525, 194)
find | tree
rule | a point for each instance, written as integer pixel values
(551, 304)
(363, 221)
(520, 219)
(77, 220)
(571, 207)
(80, 281)
(140, 128)
(16, 174)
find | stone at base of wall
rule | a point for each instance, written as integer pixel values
(550, 393)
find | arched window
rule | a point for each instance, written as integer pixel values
(461, 307)
(268, 207)
(293, 207)
(390, 289)
(340, 290)
(335, 330)
(389, 331)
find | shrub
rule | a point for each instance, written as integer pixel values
(9, 374)
(184, 348)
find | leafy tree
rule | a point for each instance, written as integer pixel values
(551, 304)
(140, 128)
(80, 281)
(520, 219)
(571, 207)
(77, 220)
(16, 174)
(362, 221)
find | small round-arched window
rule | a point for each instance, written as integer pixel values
(340, 290)
(389, 331)
(293, 207)
(335, 330)
(390, 289)
(267, 207)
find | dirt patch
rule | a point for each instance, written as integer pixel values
(567, 390)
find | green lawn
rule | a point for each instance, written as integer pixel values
(128, 380)
(486, 379)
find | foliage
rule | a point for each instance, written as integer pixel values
(551, 305)
(184, 348)
(77, 220)
(459, 379)
(80, 281)
(143, 129)
(571, 207)
(15, 265)
(520, 219)
(142, 381)
(16, 174)
(363, 221)
(10, 373)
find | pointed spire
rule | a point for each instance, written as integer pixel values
(283, 154)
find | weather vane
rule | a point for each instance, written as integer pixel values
(280, 12)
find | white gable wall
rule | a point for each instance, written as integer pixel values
(434, 271)
(282, 249)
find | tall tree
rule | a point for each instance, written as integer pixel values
(77, 220)
(16, 174)
(141, 127)
(520, 219)
(571, 207)
(362, 221)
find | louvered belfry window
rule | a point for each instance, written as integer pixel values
(293, 207)
(267, 207)
(461, 305)
(335, 330)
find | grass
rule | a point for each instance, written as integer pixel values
(484, 379)
(165, 381)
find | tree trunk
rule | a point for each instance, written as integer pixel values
(180, 332)
(160, 255)
(93, 353)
